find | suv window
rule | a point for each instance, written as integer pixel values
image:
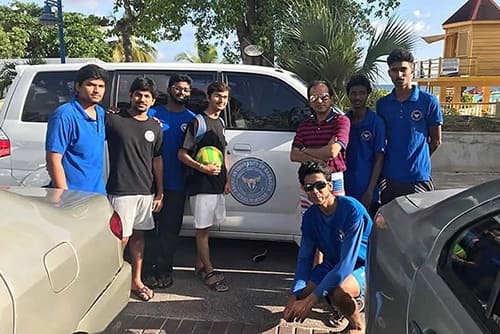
(471, 268)
(197, 102)
(48, 91)
(262, 103)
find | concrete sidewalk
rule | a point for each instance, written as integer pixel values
(258, 291)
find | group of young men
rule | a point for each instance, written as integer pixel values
(141, 187)
(152, 148)
(353, 154)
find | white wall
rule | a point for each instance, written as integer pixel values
(468, 152)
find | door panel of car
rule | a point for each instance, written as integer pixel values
(197, 102)
(260, 126)
(454, 290)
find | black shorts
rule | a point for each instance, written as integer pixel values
(390, 189)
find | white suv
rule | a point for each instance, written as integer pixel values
(265, 107)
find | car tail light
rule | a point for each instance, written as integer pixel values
(115, 223)
(4, 145)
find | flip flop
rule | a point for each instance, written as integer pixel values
(165, 281)
(217, 286)
(145, 294)
(151, 281)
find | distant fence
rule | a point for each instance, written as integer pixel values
(471, 109)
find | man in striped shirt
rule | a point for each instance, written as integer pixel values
(322, 137)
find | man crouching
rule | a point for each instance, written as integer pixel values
(339, 227)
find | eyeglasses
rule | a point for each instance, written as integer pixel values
(320, 185)
(322, 97)
(181, 89)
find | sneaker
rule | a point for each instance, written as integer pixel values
(360, 302)
(337, 321)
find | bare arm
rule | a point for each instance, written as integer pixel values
(367, 198)
(187, 160)
(327, 152)
(56, 169)
(158, 177)
(435, 135)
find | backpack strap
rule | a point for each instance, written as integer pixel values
(202, 127)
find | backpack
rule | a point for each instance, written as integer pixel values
(202, 127)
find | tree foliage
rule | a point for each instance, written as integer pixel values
(142, 52)
(147, 21)
(22, 36)
(205, 54)
(262, 22)
(323, 43)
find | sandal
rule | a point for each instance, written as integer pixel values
(145, 294)
(151, 281)
(218, 285)
(165, 281)
(200, 272)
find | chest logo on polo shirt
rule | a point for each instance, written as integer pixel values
(184, 127)
(366, 135)
(416, 115)
(341, 236)
(149, 135)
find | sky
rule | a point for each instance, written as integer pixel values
(426, 17)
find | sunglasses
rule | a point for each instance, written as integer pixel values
(322, 97)
(181, 89)
(320, 185)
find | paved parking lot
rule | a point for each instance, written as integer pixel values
(258, 291)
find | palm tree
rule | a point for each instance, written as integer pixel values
(142, 52)
(323, 43)
(206, 53)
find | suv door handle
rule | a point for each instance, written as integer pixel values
(242, 147)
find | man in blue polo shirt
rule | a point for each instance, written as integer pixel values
(74, 142)
(161, 243)
(413, 120)
(339, 226)
(365, 153)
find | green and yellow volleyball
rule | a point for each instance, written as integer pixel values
(209, 155)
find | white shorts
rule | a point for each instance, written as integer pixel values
(135, 212)
(208, 209)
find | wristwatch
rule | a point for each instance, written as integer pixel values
(302, 149)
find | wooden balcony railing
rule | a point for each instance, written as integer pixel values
(471, 109)
(459, 66)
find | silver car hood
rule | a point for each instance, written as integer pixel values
(416, 220)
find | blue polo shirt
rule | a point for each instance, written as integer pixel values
(72, 133)
(174, 126)
(342, 238)
(407, 123)
(365, 139)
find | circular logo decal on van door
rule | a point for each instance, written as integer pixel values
(252, 181)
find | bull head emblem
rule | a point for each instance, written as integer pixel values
(251, 182)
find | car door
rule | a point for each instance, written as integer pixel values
(456, 290)
(260, 125)
(197, 101)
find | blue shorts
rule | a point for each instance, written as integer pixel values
(321, 270)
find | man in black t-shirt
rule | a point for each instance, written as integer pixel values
(135, 183)
(208, 181)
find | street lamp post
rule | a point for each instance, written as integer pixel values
(49, 18)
